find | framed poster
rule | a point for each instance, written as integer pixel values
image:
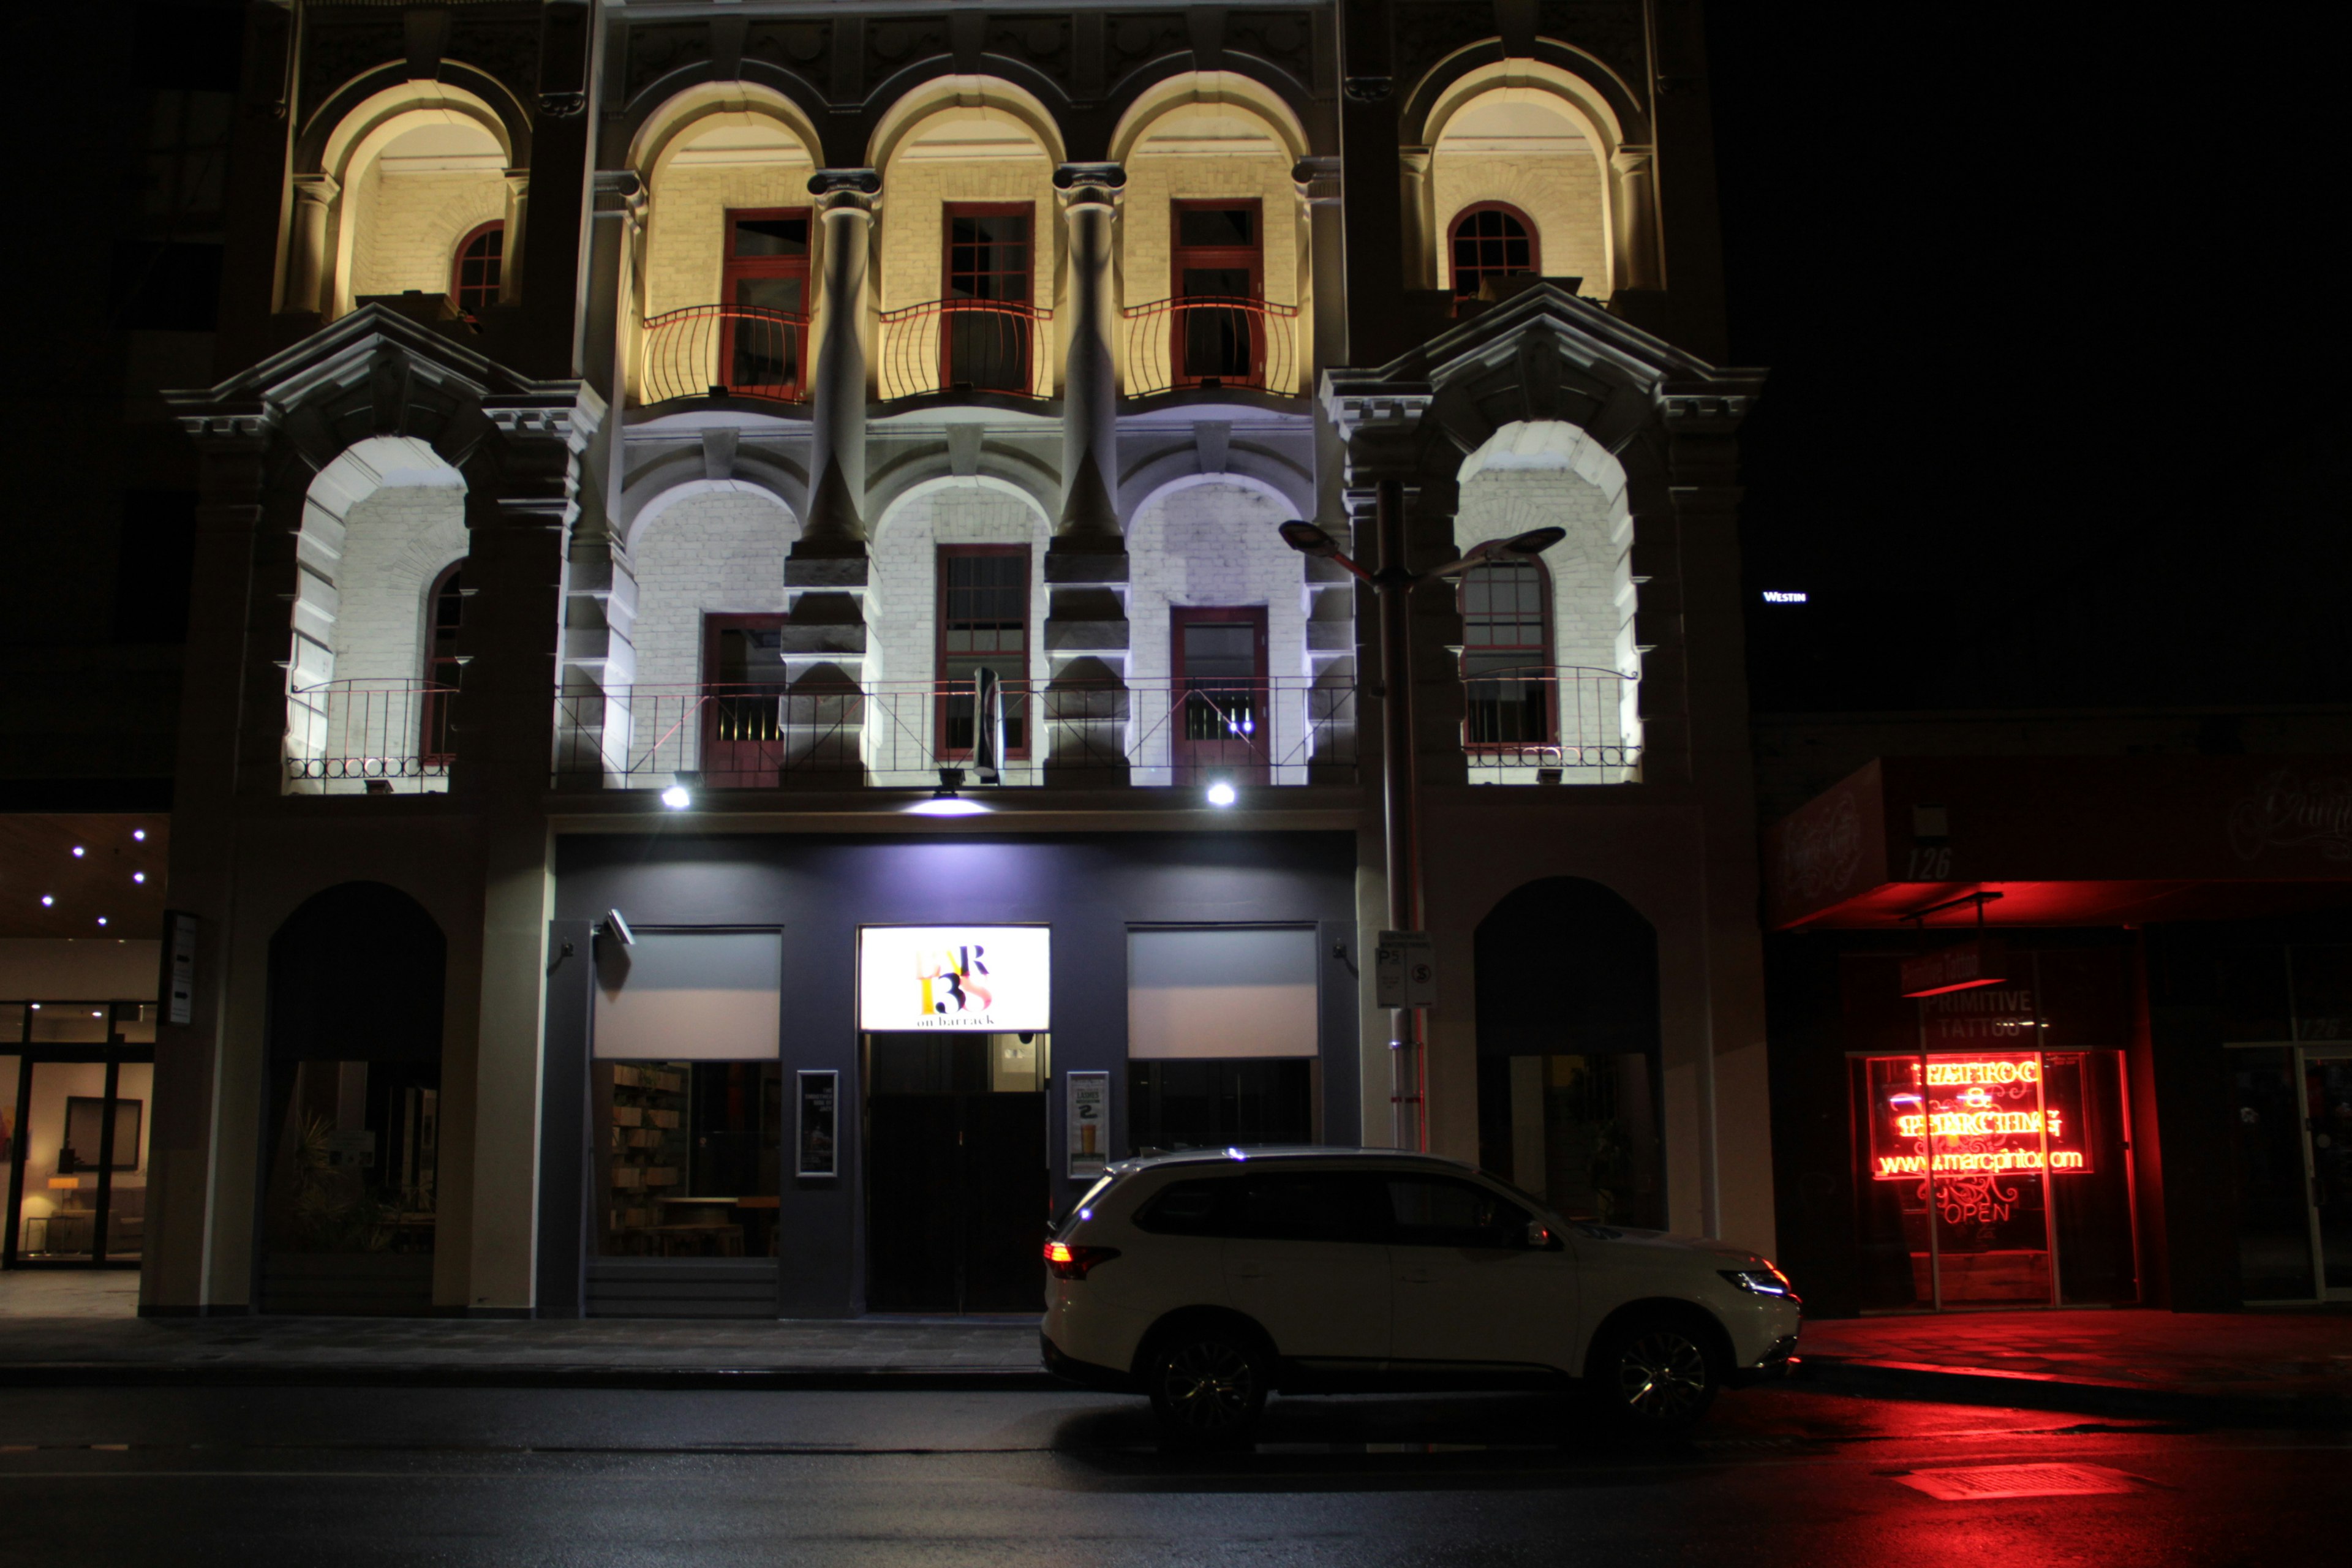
(815, 1148)
(1089, 1122)
(985, 979)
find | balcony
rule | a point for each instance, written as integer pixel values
(724, 350)
(370, 737)
(1284, 730)
(1212, 340)
(965, 346)
(1539, 724)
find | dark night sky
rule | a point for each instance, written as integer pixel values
(2056, 415)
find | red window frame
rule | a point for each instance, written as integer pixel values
(1011, 335)
(1481, 272)
(445, 617)
(472, 296)
(743, 743)
(1536, 710)
(1200, 328)
(734, 268)
(954, 711)
(1200, 749)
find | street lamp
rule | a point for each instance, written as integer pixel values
(1394, 583)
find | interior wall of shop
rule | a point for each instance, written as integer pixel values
(75, 969)
(1088, 888)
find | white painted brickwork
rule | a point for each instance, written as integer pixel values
(1538, 475)
(1214, 541)
(719, 551)
(406, 227)
(396, 542)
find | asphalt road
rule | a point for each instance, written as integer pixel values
(263, 1477)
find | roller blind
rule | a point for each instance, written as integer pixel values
(688, 996)
(1221, 991)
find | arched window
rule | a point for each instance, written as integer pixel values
(1507, 654)
(446, 610)
(473, 279)
(1491, 240)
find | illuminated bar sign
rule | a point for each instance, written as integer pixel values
(993, 978)
(1973, 1116)
(1984, 961)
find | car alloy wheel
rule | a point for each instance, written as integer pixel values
(1208, 1386)
(1662, 1378)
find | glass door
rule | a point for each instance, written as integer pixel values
(1219, 655)
(78, 1137)
(2328, 1123)
(2294, 1125)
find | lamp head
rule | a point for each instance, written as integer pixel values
(1308, 539)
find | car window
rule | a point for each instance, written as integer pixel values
(1438, 1211)
(1322, 1205)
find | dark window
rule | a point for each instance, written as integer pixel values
(441, 666)
(187, 157)
(983, 624)
(766, 288)
(474, 278)
(988, 261)
(1207, 1103)
(1506, 654)
(1491, 241)
(152, 567)
(1218, 256)
(1269, 1205)
(1440, 1211)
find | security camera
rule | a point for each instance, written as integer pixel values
(618, 927)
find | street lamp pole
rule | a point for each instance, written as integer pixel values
(1393, 586)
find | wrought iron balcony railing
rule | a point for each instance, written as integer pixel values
(352, 737)
(966, 346)
(734, 351)
(1535, 723)
(1212, 341)
(1284, 730)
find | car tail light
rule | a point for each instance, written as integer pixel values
(1067, 1262)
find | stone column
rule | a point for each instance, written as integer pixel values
(1088, 715)
(834, 527)
(1633, 215)
(1417, 204)
(1090, 381)
(511, 243)
(309, 263)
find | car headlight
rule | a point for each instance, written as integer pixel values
(1765, 1281)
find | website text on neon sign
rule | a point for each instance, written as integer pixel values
(1970, 1116)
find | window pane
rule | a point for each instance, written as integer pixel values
(1217, 225)
(1432, 1211)
(1193, 1208)
(771, 237)
(69, 1022)
(689, 1157)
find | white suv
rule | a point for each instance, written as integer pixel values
(1205, 1279)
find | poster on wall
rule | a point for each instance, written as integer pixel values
(1089, 1122)
(993, 978)
(815, 1150)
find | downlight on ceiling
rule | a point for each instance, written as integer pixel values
(945, 802)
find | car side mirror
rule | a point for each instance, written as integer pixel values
(1540, 1238)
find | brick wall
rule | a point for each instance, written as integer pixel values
(1213, 543)
(686, 229)
(395, 544)
(902, 600)
(407, 226)
(915, 194)
(1157, 177)
(1561, 192)
(716, 552)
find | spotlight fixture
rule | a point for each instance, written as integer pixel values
(77, 852)
(101, 920)
(139, 835)
(681, 793)
(139, 876)
(616, 927)
(1221, 794)
(47, 900)
(945, 802)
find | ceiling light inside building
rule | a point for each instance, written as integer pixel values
(138, 876)
(77, 852)
(140, 833)
(47, 900)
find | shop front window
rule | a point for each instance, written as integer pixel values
(686, 1096)
(1991, 1171)
(1221, 1036)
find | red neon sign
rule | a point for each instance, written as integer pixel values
(1965, 1117)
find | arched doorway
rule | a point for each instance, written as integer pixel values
(352, 1151)
(1568, 1051)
